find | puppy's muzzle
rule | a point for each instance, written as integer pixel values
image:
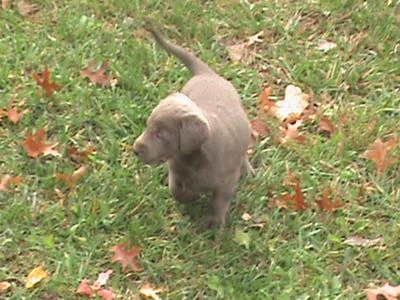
(139, 148)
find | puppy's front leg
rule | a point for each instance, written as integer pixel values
(179, 192)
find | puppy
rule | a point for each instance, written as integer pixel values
(202, 133)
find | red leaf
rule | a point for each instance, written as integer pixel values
(35, 146)
(126, 257)
(44, 81)
(324, 203)
(84, 289)
(80, 156)
(378, 153)
(106, 294)
(97, 76)
(295, 201)
(14, 116)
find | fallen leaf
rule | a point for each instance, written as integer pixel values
(259, 128)
(294, 103)
(4, 286)
(326, 125)
(325, 46)
(238, 53)
(5, 4)
(97, 76)
(61, 196)
(6, 180)
(35, 276)
(378, 153)
(35, 146)
(295, 201)
(127, 258)
(102, 279)
(290, 133)
(359, 241)
(72, 180)
(246, 217)
(84, 289)
(324, 203)
(148, 291)
(26, 9)
(43, 80)
(256, 38)
(106, 294)
(388, 291)
(14, 116)
(80, 156)
(266, 105)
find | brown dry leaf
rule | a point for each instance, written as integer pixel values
(241, 52)
(259, 128)
(35, 276)
(35, 146)
(326, 125)
(14, 116)
(106, 294)
(359, 241)
(290, 133)
(80, 156)
(61, 196)
(388, 291)
(266, 105)
(97, 76)
(84, 289)
(6, 180)
(378, 153)
(294, 103)
(148, 291)
(4, 286)
(25, 8)
(295, 201)
(102, 279)
(72, 180)
(324, 203)
(5, 4)
(43, 80)
(127, 258)
(325, 46)
(246, 217)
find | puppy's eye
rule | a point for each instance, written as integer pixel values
(158, 134)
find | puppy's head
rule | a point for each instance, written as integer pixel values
(175, 127)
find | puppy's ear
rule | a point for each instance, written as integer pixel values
(194, 130)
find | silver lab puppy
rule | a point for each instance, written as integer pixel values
(202, 133)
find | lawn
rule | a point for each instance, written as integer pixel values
(277, 253)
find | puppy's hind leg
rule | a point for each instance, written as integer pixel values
(220, 203)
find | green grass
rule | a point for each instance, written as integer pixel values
(296, 255)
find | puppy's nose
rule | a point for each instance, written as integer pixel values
(138, 148)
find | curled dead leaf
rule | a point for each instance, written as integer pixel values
(148, 291)
(378, 153)
(35, 146)
(72, 180)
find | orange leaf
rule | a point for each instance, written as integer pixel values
(290, 132)
(14, 116)
(266, 105)
(378, 153)
(126, 257)
(295, 201)
(44, 81)
(6, 180)
(97, 76)
(324, 203)
(72, 180)
(106, 294)
(326, 125)
(4, 286)
(79, 156)
(84, 289)
(35, 146)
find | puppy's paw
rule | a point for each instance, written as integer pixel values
(208, 222)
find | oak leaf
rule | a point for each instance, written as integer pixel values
(126, 257)
(324, 203)
(5, 4)
(44, 81)
(78, 155)
(35, 146)
(326, 125)
(14, 116)
(106, 294)
(97, 76)
(266, 105)
(102, 279)
(378, 153)
(388, 291)
(85, 289)
(325, 46)
(4, 286)
(293, 105)
(286, 200)
(25, 9)
(72, 180)
(290, 132)
(259, 128)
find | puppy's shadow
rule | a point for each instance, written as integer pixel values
(195, 210)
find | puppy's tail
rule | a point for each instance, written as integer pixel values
(194, 64)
